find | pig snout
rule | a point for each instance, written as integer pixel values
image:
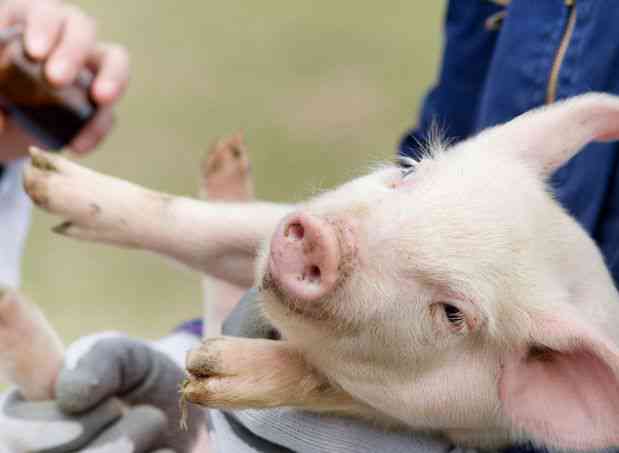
(305, 257)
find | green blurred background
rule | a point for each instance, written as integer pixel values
(321, 89)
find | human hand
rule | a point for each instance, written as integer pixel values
(85, 418)
(64, 38)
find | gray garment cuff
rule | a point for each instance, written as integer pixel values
(226, 434)
(291, 430)
(306, 432)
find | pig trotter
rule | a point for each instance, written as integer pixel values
(90, 202)
(226, 171)
(220, 239)
(41, 160)
(239, 373)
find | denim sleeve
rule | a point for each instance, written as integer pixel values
(467, 51)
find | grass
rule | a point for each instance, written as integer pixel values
(321, 89)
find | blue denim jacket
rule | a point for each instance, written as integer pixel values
(493, 70)
(490, 76)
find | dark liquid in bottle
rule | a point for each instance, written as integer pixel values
(51, 115)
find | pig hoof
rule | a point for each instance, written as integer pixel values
(226, 172)
(214, 392)
(205, 360)
(36, 187)
(62, 228)
(195, 390)
(213, 381)
(41, 160)
(227, 156)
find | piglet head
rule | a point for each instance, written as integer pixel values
(455, 294)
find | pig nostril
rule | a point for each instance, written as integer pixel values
(295, 232)
(314, 274)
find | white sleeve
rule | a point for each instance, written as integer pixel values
(15, 209)
(176, 346)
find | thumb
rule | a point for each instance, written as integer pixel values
(139, 431)
(107, 367)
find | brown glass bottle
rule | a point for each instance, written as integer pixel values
(51, 115)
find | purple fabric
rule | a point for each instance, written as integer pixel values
(194, 327)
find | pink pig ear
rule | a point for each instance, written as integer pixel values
(563, 389)
(549, 136)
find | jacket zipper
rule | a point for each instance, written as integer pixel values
(553, 80)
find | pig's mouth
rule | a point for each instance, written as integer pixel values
(314, 311)
(310, 259)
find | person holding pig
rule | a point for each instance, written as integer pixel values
(500, 59)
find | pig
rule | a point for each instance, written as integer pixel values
(452, 294)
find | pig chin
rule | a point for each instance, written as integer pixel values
(309, 260)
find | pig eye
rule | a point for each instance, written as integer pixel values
(454, 316)
(457, 317)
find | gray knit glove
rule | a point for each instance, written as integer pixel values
(84, 418)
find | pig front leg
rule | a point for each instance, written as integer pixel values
(219, 239)
(240, 373)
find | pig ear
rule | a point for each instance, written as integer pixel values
(549, 136)
(563, 389)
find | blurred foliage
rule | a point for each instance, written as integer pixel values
(321, 89)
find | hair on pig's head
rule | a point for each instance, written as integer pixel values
(455, 294)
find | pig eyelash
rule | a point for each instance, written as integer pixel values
(407, 163)
(449, 316)
(454, 316)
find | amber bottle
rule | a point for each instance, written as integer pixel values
(51, 115)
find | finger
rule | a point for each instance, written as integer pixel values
(94, 132)
(44, 22)
(139, 431)
(111, 63)
(75, 45)
(111, 366)
(12, 12)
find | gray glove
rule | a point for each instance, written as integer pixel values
(281, 430)
(84, 418)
